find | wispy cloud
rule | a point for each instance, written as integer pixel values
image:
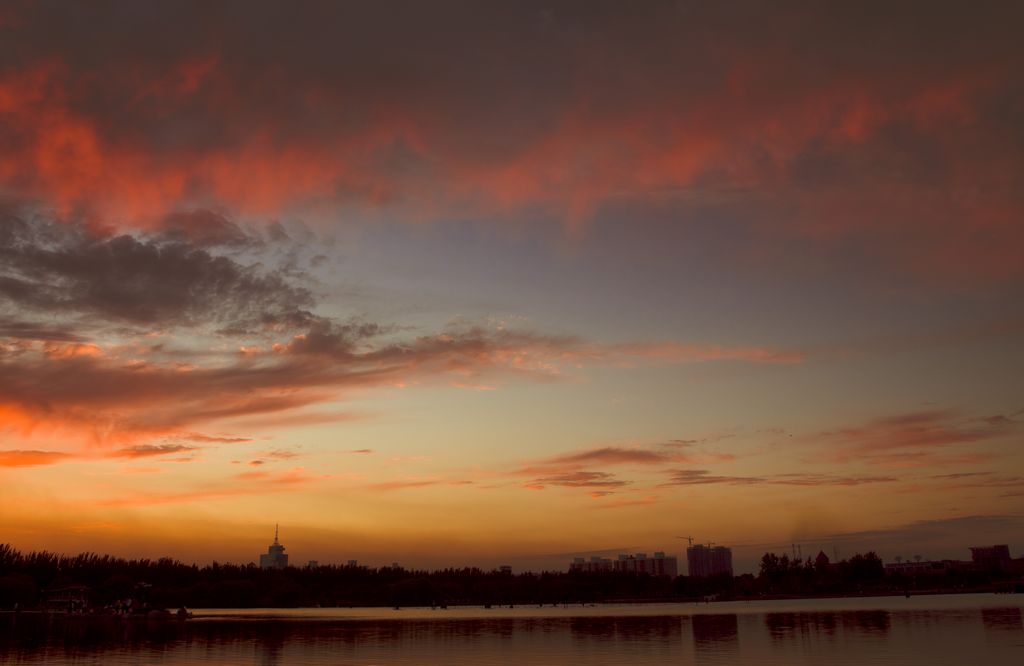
(917, 439)
(151, 450)
(583, 468)
(246, 483)
(109, 399)
(275, 455)
(404, 484)
(987, 479)
(623, 502)
(614, 455)
(701, 477)
(18, 458)
(210, 439)
(577, 479)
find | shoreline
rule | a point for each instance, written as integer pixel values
(203, 613)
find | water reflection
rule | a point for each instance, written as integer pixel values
(715, 637)
(799, 638)
(788, 626)
(271, 647)
(714, 629)
(626, 628)
(1002, 619)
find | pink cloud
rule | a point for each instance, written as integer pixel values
(917, 439)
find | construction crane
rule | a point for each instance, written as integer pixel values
(688, 538)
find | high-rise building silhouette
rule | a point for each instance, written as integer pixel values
(275, 557)
(991, 558)
(704, 561)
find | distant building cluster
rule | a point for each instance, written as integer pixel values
(992, 558)
(703, 561)
(659, 565)
(706, 561)
(275, 557)
(989, 559)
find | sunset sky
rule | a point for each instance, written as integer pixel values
(452, 283)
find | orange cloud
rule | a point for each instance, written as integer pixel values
(246, 483)
(627, 502)
(30, 458)
(70, 350)
(403, 484)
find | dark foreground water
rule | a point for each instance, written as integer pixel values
(966, 629)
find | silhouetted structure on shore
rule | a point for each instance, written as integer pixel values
(707, 561)
(275, 557)
(659, 565)
(992, 558)
(31, 579)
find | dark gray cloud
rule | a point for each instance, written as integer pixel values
(161, 280)
(33, 330)
(331, 339)
(205, 228)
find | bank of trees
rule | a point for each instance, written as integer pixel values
(780, 574)
(27, 578)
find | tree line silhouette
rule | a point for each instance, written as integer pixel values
(27, 578)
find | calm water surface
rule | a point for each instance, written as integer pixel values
(937, 630)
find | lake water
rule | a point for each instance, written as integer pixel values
(933, 630)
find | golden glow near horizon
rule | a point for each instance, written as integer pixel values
(570, 296)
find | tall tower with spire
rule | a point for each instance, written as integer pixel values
(275, 557)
